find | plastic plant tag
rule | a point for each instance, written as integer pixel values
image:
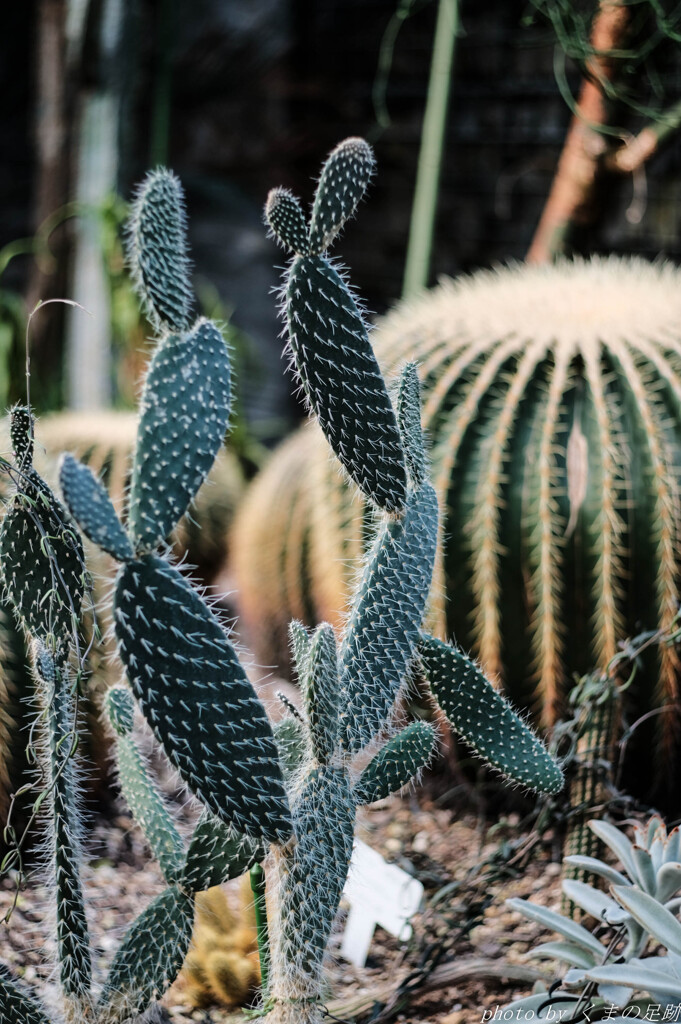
(378, 893)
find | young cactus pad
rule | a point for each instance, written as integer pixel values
(41, 554)
(328, 336)
(157, 251)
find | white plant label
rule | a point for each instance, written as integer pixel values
(378, 893)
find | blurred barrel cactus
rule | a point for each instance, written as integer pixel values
(552, 399)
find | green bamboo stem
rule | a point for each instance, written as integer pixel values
(430, 154)
(258, 888)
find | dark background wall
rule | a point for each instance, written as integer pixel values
(260, 90)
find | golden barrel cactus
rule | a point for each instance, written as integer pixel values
(552, 398)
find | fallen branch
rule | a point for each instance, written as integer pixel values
(573, 186)
(639, 148)
(443, 976)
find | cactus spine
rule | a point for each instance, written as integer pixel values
(552, 398)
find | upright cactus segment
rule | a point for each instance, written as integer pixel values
(344, 180)
(386, 615)
(41, 553)
(73, 943)
(157, 251)
(182, 668)
(348, 705)
(185, 411)
(45, 581)
(329, 341)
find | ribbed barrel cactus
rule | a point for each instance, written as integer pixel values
(287, 795)
(552, 399)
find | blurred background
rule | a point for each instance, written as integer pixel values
(240, 95)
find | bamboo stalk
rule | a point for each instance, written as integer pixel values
(430, 154)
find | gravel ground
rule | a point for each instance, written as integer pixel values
(472, 922)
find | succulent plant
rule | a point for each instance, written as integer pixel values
(222, 964)
(606, 972)
(292, 790)
(552, 402)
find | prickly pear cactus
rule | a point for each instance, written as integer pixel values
(350, 689)
(552, 399)
(294, 789)
(181, 665)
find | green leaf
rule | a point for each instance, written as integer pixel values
(636, 976)
(569, 929)
(596, 867)
(661, 924)
(594, 902)
(568, 952)
(618, 843)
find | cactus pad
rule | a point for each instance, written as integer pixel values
(184, 416)
(197, 698)
(290, 735)
(120, 709)
(300, 646)
(157, 251)
(217, 853)
(342, 381)
(343, 181)
(73, 942)
(16, 1007)
(21, 435)
(148, 809)
(150, 956)
(286, 219)
(409, 420)
(42, 562)
(91, 507)
(383, 630)
(396, 763)
(324, 816)
(485, 719)
(322, 693)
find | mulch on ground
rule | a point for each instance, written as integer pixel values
(465, 922)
